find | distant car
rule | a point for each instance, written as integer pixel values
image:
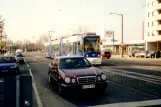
(20, 58)
(141, 54)
(106, 54)
(151, 54)
(132, 54)
(8, 64)
(76, 73)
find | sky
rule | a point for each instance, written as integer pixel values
(29, 19)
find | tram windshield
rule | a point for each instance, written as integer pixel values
(92, 44)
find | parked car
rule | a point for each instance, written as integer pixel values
(132, 54)
(141, 54)
(76, 73)
(9, 64)
(20, 58)
(105, 54)
(151, 54)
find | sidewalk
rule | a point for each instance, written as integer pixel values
(127, 57)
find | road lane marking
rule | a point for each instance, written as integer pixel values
(132, 104)
(35, 90)
(27, 65)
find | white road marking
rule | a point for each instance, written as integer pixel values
(35, 90)
(27, 65)
(132, 104)
(35, 60)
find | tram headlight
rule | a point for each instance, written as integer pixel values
(86, 55)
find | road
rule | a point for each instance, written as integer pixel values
(132, 82)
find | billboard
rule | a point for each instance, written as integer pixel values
(108, 34)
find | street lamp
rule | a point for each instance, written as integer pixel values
(50, 40)
(121, 30)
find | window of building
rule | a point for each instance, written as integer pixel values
(155, 33)
(149, 24)
(159, 33)
(155, 23)
(155, 13)
(154, 3)
(159, 1)
(149, 4)
(148, 34)
(149, 14)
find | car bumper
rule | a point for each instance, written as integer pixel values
(8, 71)
(21, 60)
(78, 87)
(96, 61)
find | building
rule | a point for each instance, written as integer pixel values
(129, 46)
(153, 25)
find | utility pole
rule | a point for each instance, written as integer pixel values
(50, 42)
(122, 30)
(122, 33)
(113, 43)
(143, 30)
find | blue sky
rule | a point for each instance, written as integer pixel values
(25, 19)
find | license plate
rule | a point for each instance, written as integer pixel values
(107, 54)
(88, 86)
(4, 70)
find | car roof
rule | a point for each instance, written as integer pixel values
(7, 56)
(63, 57)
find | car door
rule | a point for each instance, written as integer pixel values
(54, 71)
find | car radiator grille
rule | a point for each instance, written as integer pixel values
(87, 79)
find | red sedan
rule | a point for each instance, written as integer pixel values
(105, 54)
(76, 73)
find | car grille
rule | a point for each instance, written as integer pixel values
(87, 79)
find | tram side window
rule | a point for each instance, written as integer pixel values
(70, 47)
(80, 47)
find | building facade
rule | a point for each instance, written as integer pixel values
(153, 25)
(130, 46)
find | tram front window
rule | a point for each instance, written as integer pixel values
(92, 44)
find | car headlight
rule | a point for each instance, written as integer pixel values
(14, 66)
(67, 79)
(99, 78)
(103, 76)
(73, 81)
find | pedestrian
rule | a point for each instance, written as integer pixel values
(158, 54)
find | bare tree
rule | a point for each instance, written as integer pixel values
(81, 29)
(44, 38)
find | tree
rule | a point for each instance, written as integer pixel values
(18, 45)
(81, 29)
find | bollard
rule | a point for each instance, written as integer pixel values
(17, 91)
(26, 91)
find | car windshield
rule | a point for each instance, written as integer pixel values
(74, 63)
(7, 59)
(19, 55)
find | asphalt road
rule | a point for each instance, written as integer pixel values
(131, 83)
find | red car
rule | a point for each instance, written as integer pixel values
(76, 73)
(105, 54)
